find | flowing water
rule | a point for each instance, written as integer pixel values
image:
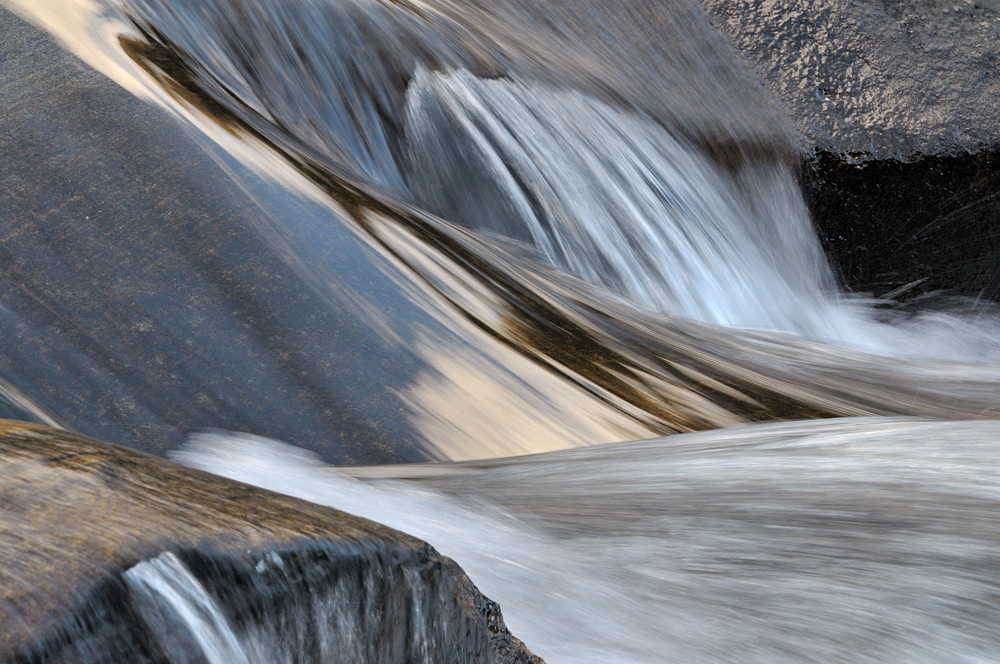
(182, 616)
(861, 540)
(484, 230)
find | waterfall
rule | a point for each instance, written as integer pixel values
(391, 231)
(182, 617)
(862, 540)
(613, 198)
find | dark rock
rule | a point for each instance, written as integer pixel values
(77, 512)
(911, 228)
(895, 103)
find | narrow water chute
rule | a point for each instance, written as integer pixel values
(181, 615)
(613, 198)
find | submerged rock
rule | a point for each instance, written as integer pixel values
(285, 575)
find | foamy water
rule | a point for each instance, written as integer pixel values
(536, 251)
(865, 540)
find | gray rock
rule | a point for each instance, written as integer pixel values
(907, 89)
(875, 80)
(147, 292)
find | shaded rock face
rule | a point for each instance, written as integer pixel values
(202, 320)
(284, 574)
(895, 104)
(911, 228)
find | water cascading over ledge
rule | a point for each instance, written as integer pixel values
(233, 573)
(895, 105)
(260, 332)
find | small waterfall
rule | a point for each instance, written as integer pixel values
(595, 181)
(183, 618)
(613, 198)
(315, 601)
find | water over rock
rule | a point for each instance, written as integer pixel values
(895, 104)
(207, 317)
(284, 575)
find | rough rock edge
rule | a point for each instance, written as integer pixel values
(57, 561)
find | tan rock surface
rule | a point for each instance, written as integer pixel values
(75, 512)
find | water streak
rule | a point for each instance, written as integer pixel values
(181, 615)
(614, 199)
(588, 223)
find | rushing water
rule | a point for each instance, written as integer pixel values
(543, 226)
(856, 540)
(182, 616)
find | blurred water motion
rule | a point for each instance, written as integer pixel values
(465, 218)
(862, 540)
(398, 231)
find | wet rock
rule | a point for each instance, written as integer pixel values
(77, 513)
(145, 289)
(895, 104)
(662, 58)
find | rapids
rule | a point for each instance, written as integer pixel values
(478, 231)
(862, 540)
(506, 248)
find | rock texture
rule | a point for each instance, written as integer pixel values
(208, 316)
(895, 105)
(875, 79)
(76, 512)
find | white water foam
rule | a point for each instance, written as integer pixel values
(867, 540)
(613, 198)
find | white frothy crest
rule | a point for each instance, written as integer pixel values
(613, 198)
(861, 540)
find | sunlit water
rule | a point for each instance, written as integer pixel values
(588, 270)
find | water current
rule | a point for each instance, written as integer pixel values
(543, 229)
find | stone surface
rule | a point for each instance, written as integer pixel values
(146, 289)
(875, 79)
(76, 512)
(895, 105)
